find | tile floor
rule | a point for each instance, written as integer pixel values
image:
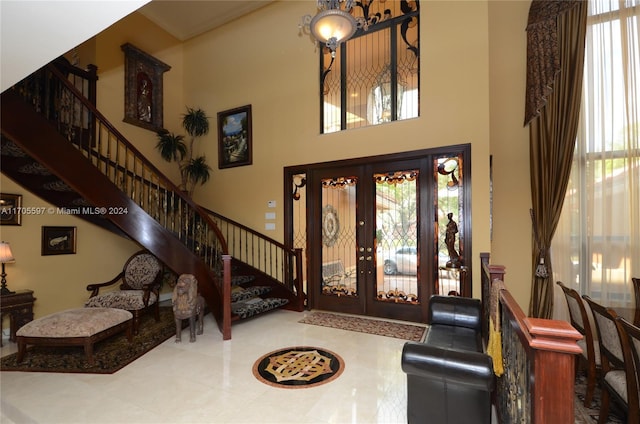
(211, 381)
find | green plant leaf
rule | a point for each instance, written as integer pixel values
(195, 122)
(197, 170)
(171, 146)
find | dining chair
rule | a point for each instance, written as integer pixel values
(636, 290)
(579, 317)
(632, 332)
(617, 378)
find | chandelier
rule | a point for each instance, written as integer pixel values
(332, 24)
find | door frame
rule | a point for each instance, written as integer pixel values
(313, 213)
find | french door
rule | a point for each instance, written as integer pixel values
(375, 231)
(366, 243)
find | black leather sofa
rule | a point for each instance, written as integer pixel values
(449, 377)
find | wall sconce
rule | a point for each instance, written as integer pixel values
(6, 257)
(332, 25)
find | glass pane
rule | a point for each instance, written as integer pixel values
(299, 186)
(331, 92)
(397, 236)
(447, 174)
(377, 77)
(408, 72)
(369, 80)
(339, 236)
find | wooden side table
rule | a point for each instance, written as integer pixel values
(19, 307)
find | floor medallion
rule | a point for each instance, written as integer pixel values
(298, 367)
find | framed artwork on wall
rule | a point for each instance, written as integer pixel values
(143, 88)
(235, 142)
(58, 240)
(10, 209)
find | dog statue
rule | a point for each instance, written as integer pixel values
(187, 304)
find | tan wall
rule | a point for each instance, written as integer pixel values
(276, 71)
(59, 281)
(148, 37)
(511, 244)
(472, 91)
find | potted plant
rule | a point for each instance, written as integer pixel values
(193, 170)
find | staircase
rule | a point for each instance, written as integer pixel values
(57, 145)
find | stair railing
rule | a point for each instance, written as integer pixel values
(279, 262)
(51, 94)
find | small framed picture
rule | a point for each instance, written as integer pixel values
(234, 137)
(58, 240)
(10, 209)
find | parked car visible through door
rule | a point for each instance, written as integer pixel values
(403, 261)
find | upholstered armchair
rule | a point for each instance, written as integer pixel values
(139, 289)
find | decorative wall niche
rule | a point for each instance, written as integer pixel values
(143, 88)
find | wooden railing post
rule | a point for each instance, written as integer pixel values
(226, 297)
(548, 353)
(538, 356)
(554, 349)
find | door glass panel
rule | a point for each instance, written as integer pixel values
(397, 236)
(451, 270)
(339, 236)
(299, 217)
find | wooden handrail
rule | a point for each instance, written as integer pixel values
(266, 255)
(53, 96)
(75, 116)
(539, 359)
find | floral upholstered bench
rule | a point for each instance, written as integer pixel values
(74, 327)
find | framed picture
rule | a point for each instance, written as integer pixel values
(143, 88)
(58, 240)
(10, 209)
(234, 137)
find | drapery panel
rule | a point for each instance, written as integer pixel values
(555, 40)
(596, 248)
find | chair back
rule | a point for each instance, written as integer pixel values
(577, 311)
(611, 353)
(141, 269)
(632, 335)
(579, 317)
(636, 291)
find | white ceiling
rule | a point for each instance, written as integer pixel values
(33, 33)
(185, 19)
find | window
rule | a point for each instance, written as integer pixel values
(374, 76)
(596, 248)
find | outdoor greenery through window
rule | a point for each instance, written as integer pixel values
(373, 78)
(596, 248)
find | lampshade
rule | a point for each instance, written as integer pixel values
(5, 253)
(332, 27)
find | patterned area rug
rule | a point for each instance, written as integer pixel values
(110, 355)
(298, 367)
(584, 415)
(366, 325)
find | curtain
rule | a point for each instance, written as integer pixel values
(555, 58)
(596, 249)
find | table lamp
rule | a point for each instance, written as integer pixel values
(6, 257)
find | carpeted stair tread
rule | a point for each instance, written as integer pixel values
(254, 306)
(241, 293)
(237, 280)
